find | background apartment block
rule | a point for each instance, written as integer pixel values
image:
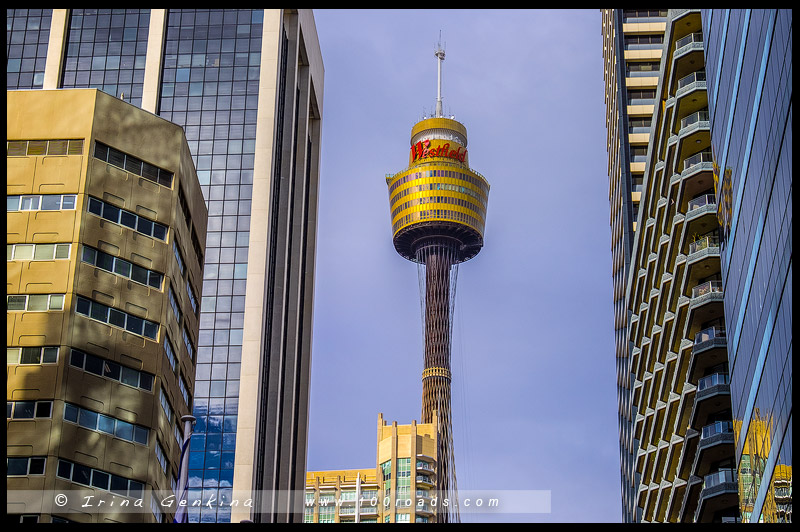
(400, 489)
(105, 244)
(632, 50)
(246, 86)
(749, 76)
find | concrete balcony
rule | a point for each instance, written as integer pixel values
(720, 493)
(700, 216)
(716, 443)
(712, 397)
(702, 259)
(706, 303)
(710, 349)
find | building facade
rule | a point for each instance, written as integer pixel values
(400, 489)
(105, 245)
(246, 86)
(632, 49)
(748, 55)
(680, 468)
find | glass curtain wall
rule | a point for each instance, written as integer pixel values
(210, 87)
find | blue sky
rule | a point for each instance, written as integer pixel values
(534, 394)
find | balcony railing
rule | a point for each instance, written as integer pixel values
(710, 333)
(703, 243)
(692, 37)
(701, 201)
(685, 81)
(699, 116)
(707, 288)
(369, 510)
(712, 380)
(718, 477)
(425, 466)
(424, 478)
(700, 157)
(718, 427)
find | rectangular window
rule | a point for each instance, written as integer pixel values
(22, 148)
(39, 202)
(173, 302)
(120, 216)
(32, 355)
(37, 251)
(161, 457)
(133, 165)
(98, 422)
(81, 474)
(21, 466)
(170, 352)
(119, 266)
(162, 396)
(187, 342)
(28, 409)
(35, 302)
(118, 318)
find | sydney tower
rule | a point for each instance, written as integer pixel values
(438, 213)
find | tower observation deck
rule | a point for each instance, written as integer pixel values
(438, 213)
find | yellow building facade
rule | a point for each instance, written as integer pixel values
(105, 240)
(399, 489)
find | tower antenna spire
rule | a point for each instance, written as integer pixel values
(439, 53)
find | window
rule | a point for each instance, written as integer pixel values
(185, 392)
(132, 164)
(35, 302)
(37, 251)
(176, 308)
(98, 422)
(161, 457)
(28, 409)
(127, 218)
(111, 370)
(123, 320)
(192, 298)
(162, 397)
(170, 352)
(22, 148)
(32, 355)
(48, 202)
(118, 266)
(16, 466)
(187, 342)
(81, 474)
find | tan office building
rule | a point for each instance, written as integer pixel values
(399, 489)
(105, 243)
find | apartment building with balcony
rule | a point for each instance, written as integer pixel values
(105, 243)
(632, 49)
(678, 363)
(749, 70)
(401, 488)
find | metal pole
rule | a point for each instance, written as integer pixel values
(183, 469)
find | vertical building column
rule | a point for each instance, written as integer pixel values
(59, 26)
(253, 334)
(152, 68)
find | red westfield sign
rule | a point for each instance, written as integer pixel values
(422, 149)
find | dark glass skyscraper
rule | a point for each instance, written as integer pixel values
(749, 75)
